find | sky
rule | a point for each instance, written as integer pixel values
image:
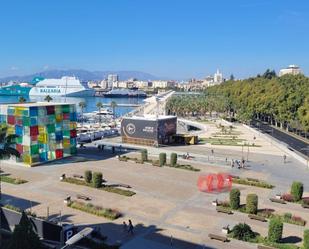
(168, 38)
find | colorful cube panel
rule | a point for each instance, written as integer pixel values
(45, 131)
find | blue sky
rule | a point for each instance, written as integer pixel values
(173, 38)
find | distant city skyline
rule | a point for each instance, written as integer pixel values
(169, 39)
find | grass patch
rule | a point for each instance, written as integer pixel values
(252, 182)
(184, 166)
(110, 189)
(12, 180)
(108, 213)
(11, 207)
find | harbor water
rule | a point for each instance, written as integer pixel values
(91, 102)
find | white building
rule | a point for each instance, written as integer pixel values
(163, 84)
(218, 77)
(104, 84)
(111, 78)
(291, 69)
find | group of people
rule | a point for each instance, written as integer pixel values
(128, 228)
(240, 163)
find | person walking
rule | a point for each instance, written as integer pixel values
(284, 158)
(130, 229)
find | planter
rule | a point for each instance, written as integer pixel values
(225, 230)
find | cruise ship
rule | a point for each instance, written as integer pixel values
(13, 89)
(65, 86)
(128, 93)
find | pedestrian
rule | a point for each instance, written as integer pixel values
(212, 151)
(226, 160)
(284, 158)
(125, 227)
(130, 229)
(232, 163)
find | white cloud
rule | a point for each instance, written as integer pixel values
(46, 67)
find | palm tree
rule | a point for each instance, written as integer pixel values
(48, 98)
(21, 99)
(82, 106)
(6, 151)
(113, 106)
(99, 106)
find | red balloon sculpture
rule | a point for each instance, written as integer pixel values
(214, 182)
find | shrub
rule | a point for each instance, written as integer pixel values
(297, 190)
(108, 213)
(288, 197)
(162, 159)
(235, 198)
(173, 159)
(97, 179)
(88, 176)
(306, 239)
(252, 204)
(287, 216)
(275, 229)
(242, 231)
(144, 155)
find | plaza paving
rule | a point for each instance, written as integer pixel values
(167, 208)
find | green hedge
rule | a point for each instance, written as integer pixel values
(105, 188)
(88, 176)
(173, 159)
(97, 179)
(235, 198)
(162, 159)
(108, 213)
(275, 230)
(297, 190)
(144, 155)
(306, 239)
(252, 204)
(255, 183)
(12, 180)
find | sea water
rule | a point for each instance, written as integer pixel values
(91, 102)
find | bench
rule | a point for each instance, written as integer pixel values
(257, 217)
(83, 197)
(222, 210)
(124, 185)
(78, 176)
(218, 237)
(264, 247)
(277, 200)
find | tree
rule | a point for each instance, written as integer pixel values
(23, 235)
(97, 179)
(21, 99)
(242, 231)
(173, 159)
(82, 105)
(306, 239)
(48, 98)
(113, 106)
(235, 198)
(232, 78)
(275, 230)
(297, 190)
(88, 176)
(162, 159)
(100, 106)
(252, 203)
(269, 74)
(7, 150)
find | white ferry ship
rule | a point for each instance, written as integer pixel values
(65, 86)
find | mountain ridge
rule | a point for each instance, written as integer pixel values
(82, 75)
